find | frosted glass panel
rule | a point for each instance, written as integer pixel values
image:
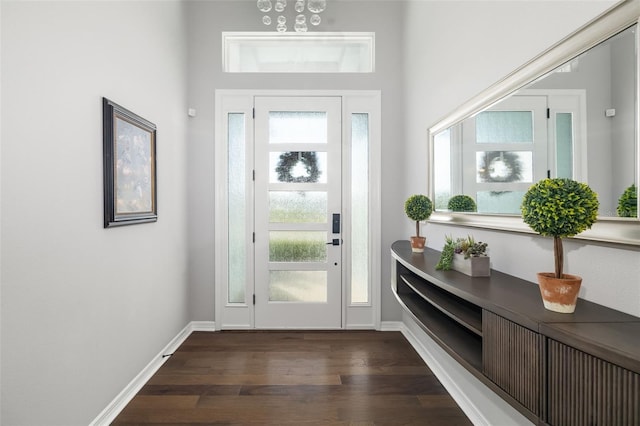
(499, 202)
(442, 169)
(504, 166)
(504, 127)
(298, 167)
(297, 127)
(237, 208)
(297, 207)
(298, 286)
(297, 246)
(359, 208)
(564, 145)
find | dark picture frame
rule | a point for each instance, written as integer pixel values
(130, 186)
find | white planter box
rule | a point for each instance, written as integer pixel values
(473, 266)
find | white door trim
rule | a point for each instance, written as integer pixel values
(240, 315)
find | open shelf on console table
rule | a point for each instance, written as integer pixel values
(479, 320)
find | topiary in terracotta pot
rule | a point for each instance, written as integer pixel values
(418, 207)
(559, 208)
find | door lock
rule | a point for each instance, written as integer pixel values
(336, 223)
(334, 242)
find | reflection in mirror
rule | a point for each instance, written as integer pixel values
(577, 121)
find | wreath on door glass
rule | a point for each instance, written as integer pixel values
(500, 166)
(289, 160)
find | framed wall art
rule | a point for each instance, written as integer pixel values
(130, 187)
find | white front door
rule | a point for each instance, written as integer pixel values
(298, 212)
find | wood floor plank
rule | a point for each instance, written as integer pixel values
(293, 378)
(245, 379)
(154, 402)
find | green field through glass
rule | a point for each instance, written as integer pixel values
(297, 246)
(297, 207)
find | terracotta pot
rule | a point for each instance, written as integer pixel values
(417, 244)
(559, 294)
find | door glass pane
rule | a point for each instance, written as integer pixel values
(298, 167)
(297, 246)
(504, 127)
(504, 166)
(499, 201)
(359, 208)
(297, 127)
(298, 286)
(297, 207)
(237, 208)
(564, 145)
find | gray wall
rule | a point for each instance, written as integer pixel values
(84, 309)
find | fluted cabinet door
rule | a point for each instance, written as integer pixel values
(585, 390)
(511, 359)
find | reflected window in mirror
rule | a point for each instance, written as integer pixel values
(564, 145)
(577, 121)
(442, 169)
(504, 127)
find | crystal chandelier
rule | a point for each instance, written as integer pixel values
(314, 7)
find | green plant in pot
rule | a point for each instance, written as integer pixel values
(418, 207)
(559, 208)
(462, 203)
(474, 253)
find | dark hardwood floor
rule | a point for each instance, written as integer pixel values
(294, 378)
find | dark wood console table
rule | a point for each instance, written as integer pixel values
(556, 369)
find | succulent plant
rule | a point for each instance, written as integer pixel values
(465, 246)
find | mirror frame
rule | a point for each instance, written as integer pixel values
(606, 229)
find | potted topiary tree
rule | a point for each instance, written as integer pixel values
(462, 203)
(418, 207)
(559, 208)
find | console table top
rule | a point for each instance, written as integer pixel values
(615, 335)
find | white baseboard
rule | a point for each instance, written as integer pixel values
(203, 326)
(392, 326)
(114, 408)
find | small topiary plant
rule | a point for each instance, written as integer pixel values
(462, 203)
(628, 202)
(559, 208)
(418, 207)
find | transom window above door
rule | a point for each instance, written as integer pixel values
(326, 52)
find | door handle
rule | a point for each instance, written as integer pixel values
(334, 242)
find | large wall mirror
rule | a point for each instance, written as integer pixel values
(570, 112)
